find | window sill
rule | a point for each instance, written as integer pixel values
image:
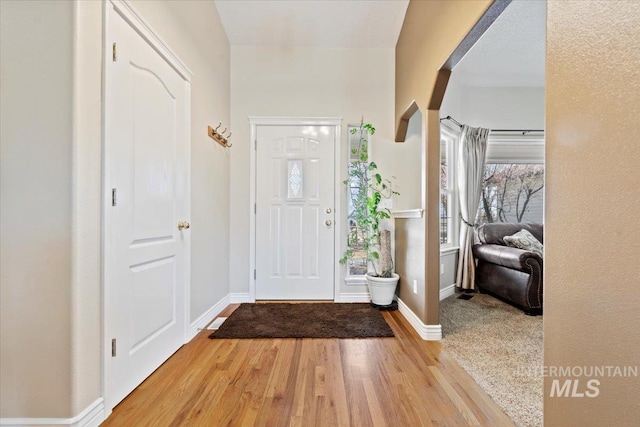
(355, 281)
(408, 213)
(449, 250)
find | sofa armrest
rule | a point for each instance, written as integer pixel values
(507, 256)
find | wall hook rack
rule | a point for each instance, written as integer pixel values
(220, 137)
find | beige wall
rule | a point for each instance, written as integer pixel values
(51, 190)
(303, 82)
(410, 266)
(36, 202)
(430, 33)
(592, 241)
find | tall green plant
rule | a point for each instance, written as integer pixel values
(367, 188)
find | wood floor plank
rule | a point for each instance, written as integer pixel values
(337, 397)
(468, 415)
(375, 407)
(401, 381)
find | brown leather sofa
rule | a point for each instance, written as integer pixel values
(513, 275)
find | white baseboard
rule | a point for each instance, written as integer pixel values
(447, 291)
(426, 332)
(240, 297)
(92, 416)
(353, 297)
(202, 321)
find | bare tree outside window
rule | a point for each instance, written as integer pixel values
(445, 209)
(511, 193)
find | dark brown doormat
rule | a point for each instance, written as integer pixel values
(306, 320)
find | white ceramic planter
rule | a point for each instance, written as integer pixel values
(382, 289)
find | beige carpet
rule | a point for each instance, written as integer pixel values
(501, 348)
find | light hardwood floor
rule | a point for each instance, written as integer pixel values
(401, 381)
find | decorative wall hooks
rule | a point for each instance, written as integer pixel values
(220, 137)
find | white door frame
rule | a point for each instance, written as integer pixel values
(336, 123)
(137, 22)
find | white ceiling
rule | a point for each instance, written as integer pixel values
(510, 54)
(512, 51)
(321, 23)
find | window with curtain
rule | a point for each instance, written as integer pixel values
(513, 189)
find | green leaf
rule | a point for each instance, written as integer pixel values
(369, 128)
(375, 255)
(372, 166)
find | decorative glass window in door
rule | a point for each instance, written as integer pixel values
(295, 179)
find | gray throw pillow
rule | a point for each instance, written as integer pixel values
(525, 240)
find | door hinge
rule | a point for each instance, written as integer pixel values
(115, 52)
(113, 347)
(254, 274)
(255, 208)
(114, 200)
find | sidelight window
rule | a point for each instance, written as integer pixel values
(358, 155)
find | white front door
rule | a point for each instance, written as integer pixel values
(147, 161)
(295, 212)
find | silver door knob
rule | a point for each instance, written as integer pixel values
(327, 222)
(183, 225)
(328, 210)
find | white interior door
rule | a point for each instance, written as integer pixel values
(295, 212)
(146, 147)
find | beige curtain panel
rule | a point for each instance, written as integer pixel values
(472, 151)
